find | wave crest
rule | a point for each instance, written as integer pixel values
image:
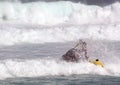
(58, 12)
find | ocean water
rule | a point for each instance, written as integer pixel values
(34, 36)
(64, 80)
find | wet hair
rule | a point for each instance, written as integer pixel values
(97, 59)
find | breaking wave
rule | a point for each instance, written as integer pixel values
(11, 35)
(48, 67)
(61, 21)
(51, 13)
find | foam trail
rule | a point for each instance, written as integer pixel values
(58, 12)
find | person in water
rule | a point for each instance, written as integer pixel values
(98, 62)
(79, 52)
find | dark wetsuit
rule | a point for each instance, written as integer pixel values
(75, 54)
(71, 55)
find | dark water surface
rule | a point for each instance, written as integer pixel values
(89, 2)
(64, 80)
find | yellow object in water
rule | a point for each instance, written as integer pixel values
(98, 62)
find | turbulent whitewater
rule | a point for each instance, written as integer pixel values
(11, 35)
(34, 36)
(51, 13)
(40, 67)
(57, 22)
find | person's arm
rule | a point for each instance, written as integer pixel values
(84, 47)
(86, 55)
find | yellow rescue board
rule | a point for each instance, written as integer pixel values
(99, 63)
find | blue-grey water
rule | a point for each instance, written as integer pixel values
(64, 80)
(88, 2)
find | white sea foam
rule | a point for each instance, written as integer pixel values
(67, 21)
(11, 35)
(48, 67)
(51, 13)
